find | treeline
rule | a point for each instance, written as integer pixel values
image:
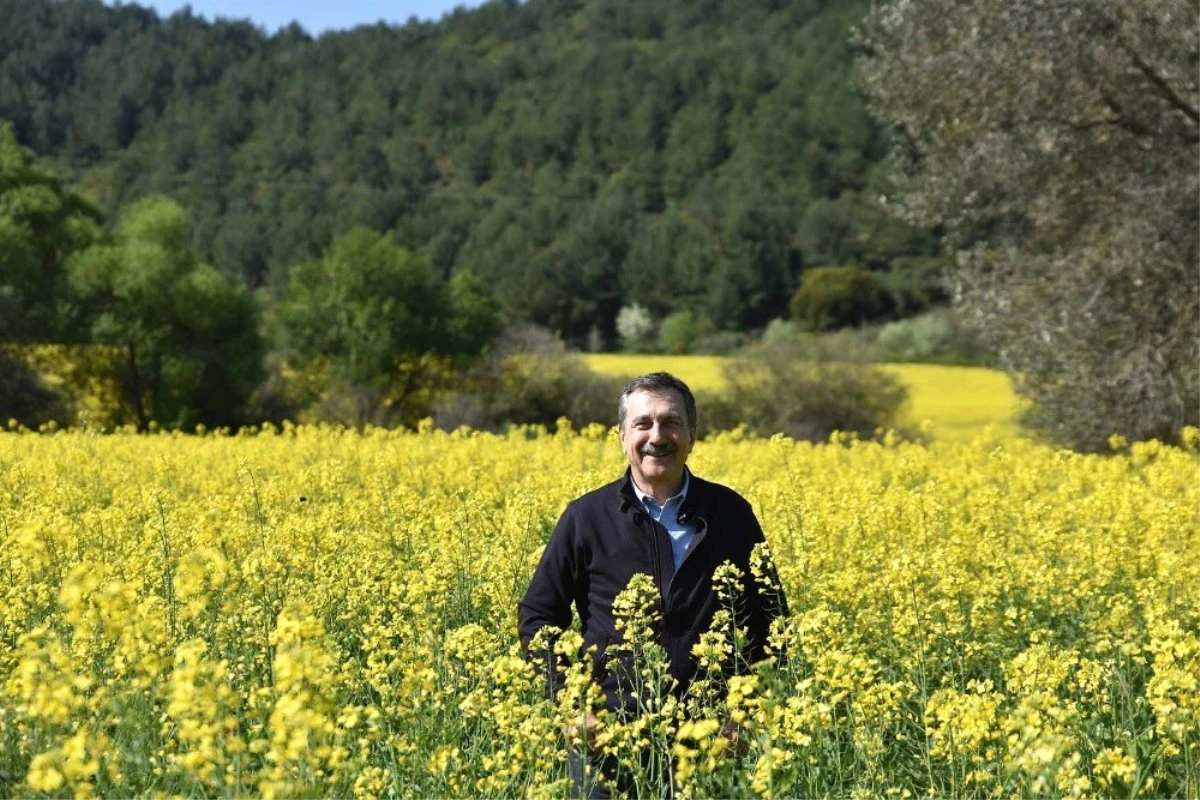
(575, 157)
(127, 324)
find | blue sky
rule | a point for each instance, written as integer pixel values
(316, 16)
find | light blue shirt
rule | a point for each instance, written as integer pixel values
(667, 515)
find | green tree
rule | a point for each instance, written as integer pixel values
(41, 225)
(1058, 140)
(573, 158)
(829, 298)
(188, 334)
(475, 318)
(680, 332)
(372, 319)
(365, 304)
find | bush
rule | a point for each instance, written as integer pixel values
(635, 329)
(720, 343)
(829, 298)
(530, 378)
(779, 330)
(935, 337)
(679, 333)
(917, 339)
(806, 389)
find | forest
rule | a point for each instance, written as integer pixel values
(576, 156)
(222, 225)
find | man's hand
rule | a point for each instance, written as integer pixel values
(584, 730)
(739, 745)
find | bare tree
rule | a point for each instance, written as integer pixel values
(1063, 137)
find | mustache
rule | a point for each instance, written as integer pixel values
(659, 450)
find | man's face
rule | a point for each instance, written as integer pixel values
(656, 438)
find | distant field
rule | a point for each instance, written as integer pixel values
(959, 401)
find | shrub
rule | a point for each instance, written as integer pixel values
(778, 330)
(720, 343)
(529, 378)
(805, 389)
(916, 339)
(680, 332)
(635, 328)
(829, 298)
(933, 337)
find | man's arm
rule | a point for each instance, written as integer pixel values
(548, 600)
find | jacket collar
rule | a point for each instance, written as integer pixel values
(644, 498)
(694, 504)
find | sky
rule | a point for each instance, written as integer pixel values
(316, 16)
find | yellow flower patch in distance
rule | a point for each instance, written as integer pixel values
(955, 403)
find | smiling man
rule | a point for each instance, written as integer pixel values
(658, 519)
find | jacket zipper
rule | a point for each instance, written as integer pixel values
(701, 529)
(658, 569)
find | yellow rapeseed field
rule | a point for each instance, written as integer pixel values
(311, 612)
(951, 402)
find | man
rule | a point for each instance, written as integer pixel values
(661, 520)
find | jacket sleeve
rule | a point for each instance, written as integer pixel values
(549, 598)
(765, 601)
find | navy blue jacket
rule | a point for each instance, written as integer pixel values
(605, 537)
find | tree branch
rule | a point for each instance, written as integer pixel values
(1165, 88)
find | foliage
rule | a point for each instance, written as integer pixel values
(310, 612)
(681, 332)
(577, 158)
(1059, 142)
(364, 305)
(806, 389)
(475, 316)
(371, 326)
(86, 378)
(41, 225)
(936, 336)
(190, 350)
(529, 378)
(916, 339)
(24, 396)
(778, 330)
(720, 343)
(635, 329)
(917, 283)
(830, 298)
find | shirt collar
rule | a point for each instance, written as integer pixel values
(681, 495)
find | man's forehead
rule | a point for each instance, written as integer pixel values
(667, 401)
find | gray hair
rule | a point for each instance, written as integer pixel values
(658, 383)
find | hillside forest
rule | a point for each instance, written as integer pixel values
(360, 214)
(565, 160)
